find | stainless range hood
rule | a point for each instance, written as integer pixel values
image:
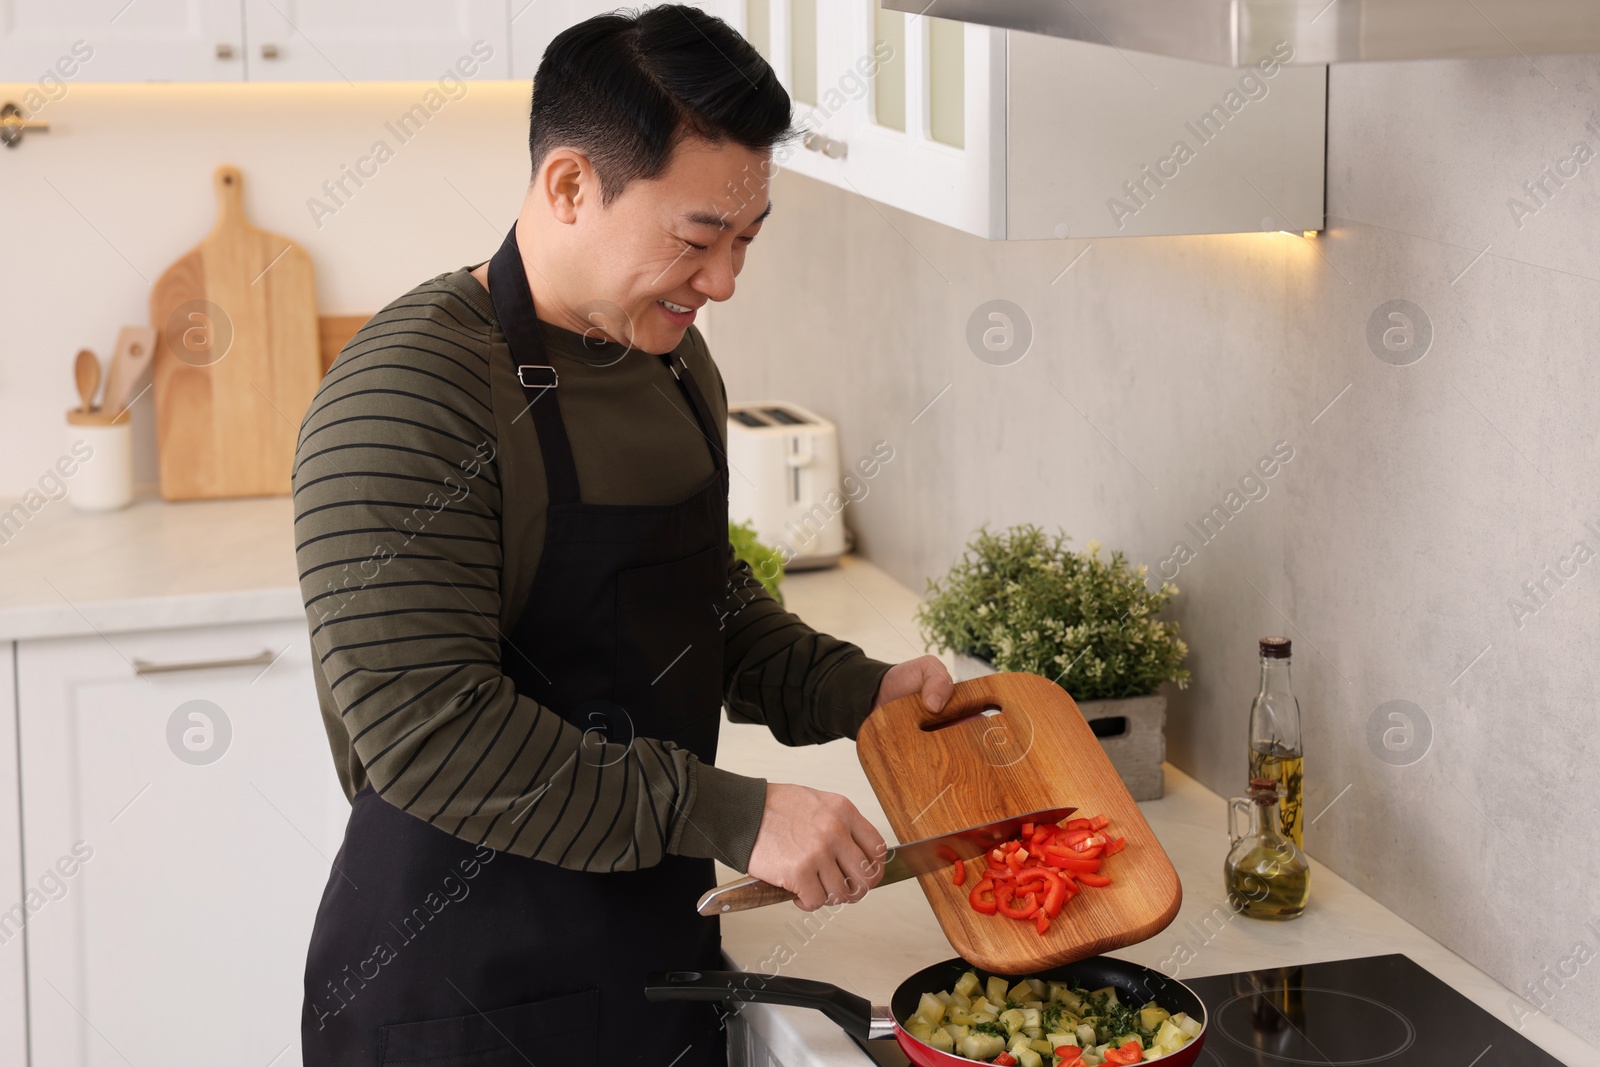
(1241, 33)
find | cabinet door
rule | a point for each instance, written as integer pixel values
(13, 893)
(535, 23)
(928, 135)
(183, 823)
(54, 42)
(806, 44)
(376, 40)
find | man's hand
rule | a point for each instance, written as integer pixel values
(925, 674)
(817, 846)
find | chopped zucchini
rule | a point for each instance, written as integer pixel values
(931, 1008)
(995, 989)
(981, 1046)
(1011, 1020)
(967, 984)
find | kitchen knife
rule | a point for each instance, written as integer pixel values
(902, 862)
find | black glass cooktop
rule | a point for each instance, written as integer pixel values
(1379, 1009)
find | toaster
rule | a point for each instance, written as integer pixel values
(785, 481)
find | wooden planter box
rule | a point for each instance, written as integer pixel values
(1132, 731)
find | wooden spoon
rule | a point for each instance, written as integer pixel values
(87, 372)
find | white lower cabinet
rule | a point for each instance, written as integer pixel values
(179, 814)
(13, 896)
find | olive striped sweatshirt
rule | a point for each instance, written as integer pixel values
(419, 500)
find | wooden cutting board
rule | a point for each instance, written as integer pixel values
(1036, 752)
(237, 357)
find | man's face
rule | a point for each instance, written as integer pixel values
(677, 239)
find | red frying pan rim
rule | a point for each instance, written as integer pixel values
(925, 1055)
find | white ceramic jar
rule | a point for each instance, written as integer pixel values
(98, 464)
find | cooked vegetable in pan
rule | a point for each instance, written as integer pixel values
(1045, 1024)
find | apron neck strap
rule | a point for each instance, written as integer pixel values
(513, 306)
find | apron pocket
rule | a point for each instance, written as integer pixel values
(669, 650)
(560, 1029)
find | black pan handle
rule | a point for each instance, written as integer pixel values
(855, 1014)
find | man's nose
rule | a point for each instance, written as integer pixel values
(715, 280)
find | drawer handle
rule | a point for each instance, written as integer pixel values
(263, 658)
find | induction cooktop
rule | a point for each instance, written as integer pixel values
(1378, 1009)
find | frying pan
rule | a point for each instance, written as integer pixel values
(864, 1020)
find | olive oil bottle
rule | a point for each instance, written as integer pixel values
(1266, 874)
(1275, 749)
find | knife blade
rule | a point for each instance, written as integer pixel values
(902, 861)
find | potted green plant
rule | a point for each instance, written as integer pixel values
(765, 562)
(1020, 600)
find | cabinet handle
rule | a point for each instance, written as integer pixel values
(269, 51)
(224, 51)
(263, 658)
(13, 124)
(816, 142)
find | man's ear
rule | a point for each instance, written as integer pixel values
(565, 183)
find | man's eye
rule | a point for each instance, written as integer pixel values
(691, 244)
(748, 239)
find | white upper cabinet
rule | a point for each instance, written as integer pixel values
(131, 40)
(803, 42)
(376, 40)
(1012, 135)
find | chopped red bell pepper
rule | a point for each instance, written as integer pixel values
(1005, 897)
(1130, 1052)
(1092, 841)
(1035, 875)
(1068, 1055)
(982, 897)
(1074, 863)
(1006, 1059)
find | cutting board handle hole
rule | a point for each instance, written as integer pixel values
(1110, 726)
(984, 710)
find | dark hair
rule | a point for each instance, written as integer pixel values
(625, 87)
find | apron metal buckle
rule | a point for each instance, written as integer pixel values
(522, 368)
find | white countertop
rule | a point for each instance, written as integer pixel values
(156, 565)
(150, 565)
(872, 946)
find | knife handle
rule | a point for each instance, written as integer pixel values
(742, 895)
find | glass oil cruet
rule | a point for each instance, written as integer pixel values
(1267, 875)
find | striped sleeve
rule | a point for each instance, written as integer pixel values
(807, 687)
(397, 541)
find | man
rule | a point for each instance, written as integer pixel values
(511, 527)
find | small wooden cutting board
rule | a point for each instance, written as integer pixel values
(1035, 752)
(237, 358)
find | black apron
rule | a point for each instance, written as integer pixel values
(450, 954)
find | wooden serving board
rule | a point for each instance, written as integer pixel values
(237, 357)
(1036, 752)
